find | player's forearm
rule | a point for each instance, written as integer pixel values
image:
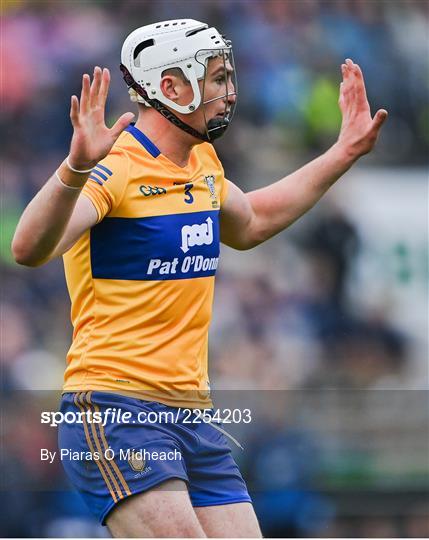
(44, 221)
(278, 205)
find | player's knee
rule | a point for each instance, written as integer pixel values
(154, 528)
(162, 512)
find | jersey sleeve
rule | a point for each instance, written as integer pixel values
(107, 182)
(224, 188)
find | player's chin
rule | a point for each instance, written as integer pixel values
(215, 119)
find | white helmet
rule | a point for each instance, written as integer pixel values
(184, 43)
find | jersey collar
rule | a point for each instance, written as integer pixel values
(143, 140)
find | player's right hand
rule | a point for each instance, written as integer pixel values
(92, 139)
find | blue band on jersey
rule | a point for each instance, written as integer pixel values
(156, 248)
(100, 174)
(91, 177)
(105, 169)
(143, 140)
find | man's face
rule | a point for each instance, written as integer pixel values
(217, 92)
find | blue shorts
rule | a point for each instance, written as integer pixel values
(130, 454)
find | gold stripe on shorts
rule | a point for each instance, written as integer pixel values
(104, 461)
(111, 462)
(91, 446)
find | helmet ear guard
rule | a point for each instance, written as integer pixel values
(190, 107)
(160, 107)
(185, 44)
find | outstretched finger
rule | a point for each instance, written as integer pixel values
(95, 87)
(104, 88)
(84, 95)
(346, 84)
(360, 87)
(359, 74)
(347, 99)
(379, 119)
(347, 69)
(74, 111)
(345, 73)
(121, 124)
(341, 102)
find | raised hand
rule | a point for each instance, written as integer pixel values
(92, 139)
(359, 131)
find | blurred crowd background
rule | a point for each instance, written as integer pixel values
(322, 329)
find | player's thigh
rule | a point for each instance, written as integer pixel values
(164, 511)
(229, 521)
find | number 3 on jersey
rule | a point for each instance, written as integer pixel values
(189, 198)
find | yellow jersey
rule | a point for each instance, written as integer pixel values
(141, 281)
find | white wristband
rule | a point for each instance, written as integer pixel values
(76, 170)
(66, 185)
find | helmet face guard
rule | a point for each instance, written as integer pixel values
(216, 127)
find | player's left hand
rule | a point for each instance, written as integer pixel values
(359, 131)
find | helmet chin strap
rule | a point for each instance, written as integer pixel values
(215, 127)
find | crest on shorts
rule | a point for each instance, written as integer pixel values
(210, 182)
(136, 461)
